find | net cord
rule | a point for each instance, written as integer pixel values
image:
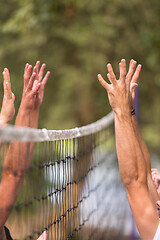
(12, 133)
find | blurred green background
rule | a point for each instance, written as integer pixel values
(76, 39)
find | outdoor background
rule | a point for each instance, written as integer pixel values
(76, 39)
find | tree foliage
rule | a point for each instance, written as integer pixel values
(76, 39)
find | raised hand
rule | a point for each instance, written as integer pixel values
(8, 110)
(39, 72)
(121, 92)
(31, 87)
(42, 80)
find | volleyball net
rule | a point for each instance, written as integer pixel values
(72, 187)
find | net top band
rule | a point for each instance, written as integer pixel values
(12, 133)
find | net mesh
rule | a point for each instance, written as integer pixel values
(72, 188)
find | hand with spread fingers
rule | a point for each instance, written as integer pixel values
(133, 158)
(8, 110)
(39, 72)
(42, 80)
(121, 92)
(31, 87)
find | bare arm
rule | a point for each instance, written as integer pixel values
(16, 161)
(34, 114)
(152, 189)
(132, 164)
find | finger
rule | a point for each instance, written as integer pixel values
(45, 79)
(122, 69)
(133, 90)
(130, 73)
(136, 74)
(41, 72)
(103, 82)
(7, 90)
(112, 77)
(35, 87)
(131, 70)
(133, 87)
(7, 84)
(27, 75)
(26, 67)
(31, 81)
(37, 65)
(35, 70)
(7, 74)
(154, 170)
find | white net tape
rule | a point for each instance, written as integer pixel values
(12, 133)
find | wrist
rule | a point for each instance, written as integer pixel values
(22, 112)
(123, 115)
(34, 116)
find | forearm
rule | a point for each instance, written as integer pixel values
(15, 159)
(153, 192)
(133, 173)
(142, 144)
(14, 167)
(34, 115)
(132, 165)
